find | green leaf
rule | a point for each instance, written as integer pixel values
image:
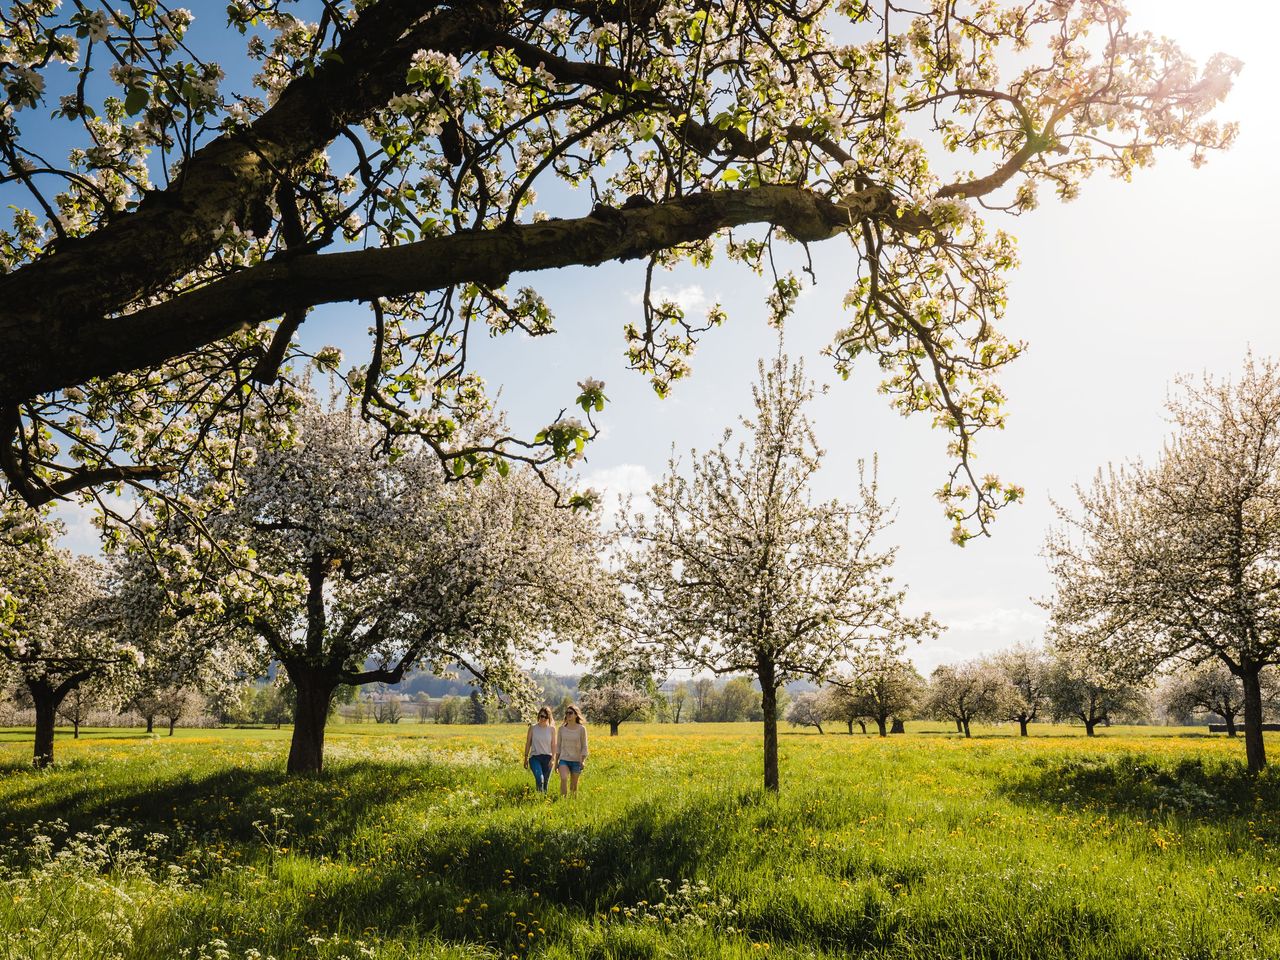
(136, 100)
(730, 175)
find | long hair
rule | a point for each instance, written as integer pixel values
(572, 708)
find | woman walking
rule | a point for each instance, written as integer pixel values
(571, 750)
(539, 747)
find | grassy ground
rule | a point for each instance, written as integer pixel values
(428, 842)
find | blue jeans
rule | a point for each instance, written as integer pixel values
(575, 766)
(540, 764)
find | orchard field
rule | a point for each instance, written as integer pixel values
(426, 841)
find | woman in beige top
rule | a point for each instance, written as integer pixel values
(571, 749)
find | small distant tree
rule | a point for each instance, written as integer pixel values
(678, 698)
(1207, 688)
(737, 700)
(273, 704)
(56, 633)
(704, 694)
(177, 703)
(661, 709)
(387, 708)
(146, 704)
(844, 705)
(1091, 692)
(77, 706)
(476, 711)
(737, 570)
(615, 704)
(449, 709)
(965, 693)
(885, 687)
(807, 710)
(1026, 673)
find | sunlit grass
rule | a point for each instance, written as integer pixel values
(424, 841)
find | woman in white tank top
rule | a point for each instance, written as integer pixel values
(539, 747)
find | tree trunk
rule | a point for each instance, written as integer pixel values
(1022, 726)
(75, 729)
(173, 722)
(959, 726)
(1230, 720)
(314, 689)
(1254, 750)
(850, 722)
(897, 726)
(151, 724)
(613, 728)
(880, 724)
(46, 705)
(1088, 727)
(966, 729)
(769, 703)
(863, 725)
(819, 726)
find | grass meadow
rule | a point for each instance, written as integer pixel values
(424, 841)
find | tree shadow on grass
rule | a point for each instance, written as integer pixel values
(1197, 789)
(224, 806)
(495, 882)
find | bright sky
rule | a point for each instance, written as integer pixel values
(1117, 293)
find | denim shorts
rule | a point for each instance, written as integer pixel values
(575, 766)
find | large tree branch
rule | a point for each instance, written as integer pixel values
(175, 230)
(57, 358)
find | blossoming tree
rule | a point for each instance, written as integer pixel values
(737, 570)
(1026, 673)
(615, 704)
(1177, 561)
(883, 686)
(353, 568)
(965, 692)
(58, 635)
(394, 153)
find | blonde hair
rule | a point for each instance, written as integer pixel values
(573, 707)
(545, 711)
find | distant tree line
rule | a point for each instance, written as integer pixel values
(1027, 685)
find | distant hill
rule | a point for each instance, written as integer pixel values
(555, 687)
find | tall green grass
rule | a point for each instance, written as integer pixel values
(423, 841)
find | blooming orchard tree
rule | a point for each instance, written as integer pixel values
(411, 155)
(1091, 691)
(1207, 688)
(58, 636)
(1212, 688)
(1026, 671)
(884, 686)
(737, 570)
(76, 706)
(352, 569)
(808, 709)
(1178, 561)
(965, 693)
(615, 704)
